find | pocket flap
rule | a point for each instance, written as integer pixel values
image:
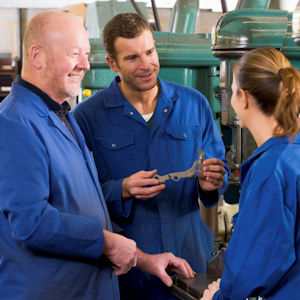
(183, 132)
(115, 142)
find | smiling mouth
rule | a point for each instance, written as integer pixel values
(77, 76)
(145, 76)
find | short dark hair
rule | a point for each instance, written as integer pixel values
(126, 25)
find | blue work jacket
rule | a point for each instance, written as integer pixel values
(123, 144)
(52, 208)
(263, 256)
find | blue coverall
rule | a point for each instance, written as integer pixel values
(52, 208)
(263, 255)
(123, 144)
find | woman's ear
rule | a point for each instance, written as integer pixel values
(244, 98)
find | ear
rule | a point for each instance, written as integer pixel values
(112, 63)
(244, 98)
(37, 57)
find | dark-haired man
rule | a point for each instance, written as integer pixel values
(141, 125)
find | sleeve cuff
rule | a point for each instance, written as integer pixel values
(112, 191)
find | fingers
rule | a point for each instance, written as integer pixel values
(148, 192)
(120, 251)
(180, 266)
(141, 185)
(207, 295)
(214, 166)
(214, 287)
(211, 177)
(165, 278)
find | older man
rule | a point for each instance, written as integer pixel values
(55, 231)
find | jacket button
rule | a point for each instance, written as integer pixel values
(185, 135)
(165, 110)
(131, 113)
(113, 145)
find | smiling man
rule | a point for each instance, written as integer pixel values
(56, 239)
(141, 125)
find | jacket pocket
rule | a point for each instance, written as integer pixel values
(115, 155)
(183, 132)
(115, 142)
(182, 144)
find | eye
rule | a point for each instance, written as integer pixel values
(131, 57)
(149, 52)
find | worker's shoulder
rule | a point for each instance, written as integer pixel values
(289, 160)
(263, 161)
(22, 105)
(178, 87)
(182, 93)
(92, 104)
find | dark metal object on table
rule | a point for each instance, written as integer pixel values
(192, 289)
(8, 73)
(190, 173)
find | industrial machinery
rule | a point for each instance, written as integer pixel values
(251, 25)
(184, 57)
(8, 73)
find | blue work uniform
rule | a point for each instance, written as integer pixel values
(263, 255)
(52, 207)
(123, 144)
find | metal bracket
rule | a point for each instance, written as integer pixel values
(189, 173)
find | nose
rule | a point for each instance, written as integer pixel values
(83, 62)
(145, 62)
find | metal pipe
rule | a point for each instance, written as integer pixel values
(253, 4)
(184, 16)
(224, 6)
(137, 9)
(156, 17)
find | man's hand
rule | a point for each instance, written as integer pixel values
(121, 251)
(157, 264)
(211, 177)
(141, 185)
(210, 291)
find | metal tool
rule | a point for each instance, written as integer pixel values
(189, 173)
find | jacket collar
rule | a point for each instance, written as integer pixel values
(38, 105)
(115, 98)
(262, 149)
(53, 105)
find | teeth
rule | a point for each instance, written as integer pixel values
(76, 76)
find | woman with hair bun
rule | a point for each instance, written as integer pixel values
(263, 255)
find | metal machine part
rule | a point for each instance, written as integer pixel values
(192, 289)
(189, 173)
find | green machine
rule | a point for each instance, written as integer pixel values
(185, 58)
(251, 25)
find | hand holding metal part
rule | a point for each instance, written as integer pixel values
(189, 173)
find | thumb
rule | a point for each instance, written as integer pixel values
(165, 278)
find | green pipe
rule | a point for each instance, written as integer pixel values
(184, 16)
(253, 4)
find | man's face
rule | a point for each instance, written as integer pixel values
(137, 62)
(66, 63)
